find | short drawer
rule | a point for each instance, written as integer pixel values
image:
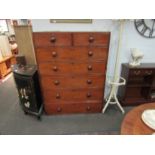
(61, 108)
(141, 72)
(58, 68)
(58, 95)
(45, 54)
(70, 82)
(94, 38)
(52, 39)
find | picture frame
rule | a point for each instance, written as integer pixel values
(80, 21)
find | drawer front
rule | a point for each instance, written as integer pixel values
(141, 72)
(45, 54)
(97, 39)
(48, 54)
(50, 83)
(51, 39)
(58, 95)
(73, 108)
(90, 53)
(56, 68)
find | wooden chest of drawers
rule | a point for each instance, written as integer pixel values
(72, 68)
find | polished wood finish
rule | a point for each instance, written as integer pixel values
(140, 84)
(133, 124)
(5, 65)
(72, 68)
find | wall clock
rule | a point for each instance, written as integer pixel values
(145, 27)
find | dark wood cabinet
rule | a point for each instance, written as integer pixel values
(27, 83)
(140, 84)
(72, 68)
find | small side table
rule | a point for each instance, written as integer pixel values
(133, 124)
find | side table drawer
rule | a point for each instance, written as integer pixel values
(141, 72)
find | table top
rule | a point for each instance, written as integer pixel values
(133, 124)
(6, 58)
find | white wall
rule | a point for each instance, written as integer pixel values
(130, 38)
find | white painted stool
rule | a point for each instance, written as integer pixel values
(112, 99)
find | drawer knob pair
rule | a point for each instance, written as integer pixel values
(91, 39)
(54, 54)
(56, 82)
(53, 39)
(90, 68)
(89, 81)
(90, 53)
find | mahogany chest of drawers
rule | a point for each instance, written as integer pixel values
(140, 84)
(72, 68)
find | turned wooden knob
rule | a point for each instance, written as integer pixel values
(58, 109)
(54, 54)
(88, 108)
(53, 39)
(91, 39)
(89, 81)
(58, 96)
(88, 94)
(56, 82)
(90, 67)
(90, 53)
(55, 68)
(137, 72)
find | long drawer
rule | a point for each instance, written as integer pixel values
(59, 95)
(64, 82)
(71, 53)
(85, 107)
(57, 68)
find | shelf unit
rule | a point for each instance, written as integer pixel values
(5, 65)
